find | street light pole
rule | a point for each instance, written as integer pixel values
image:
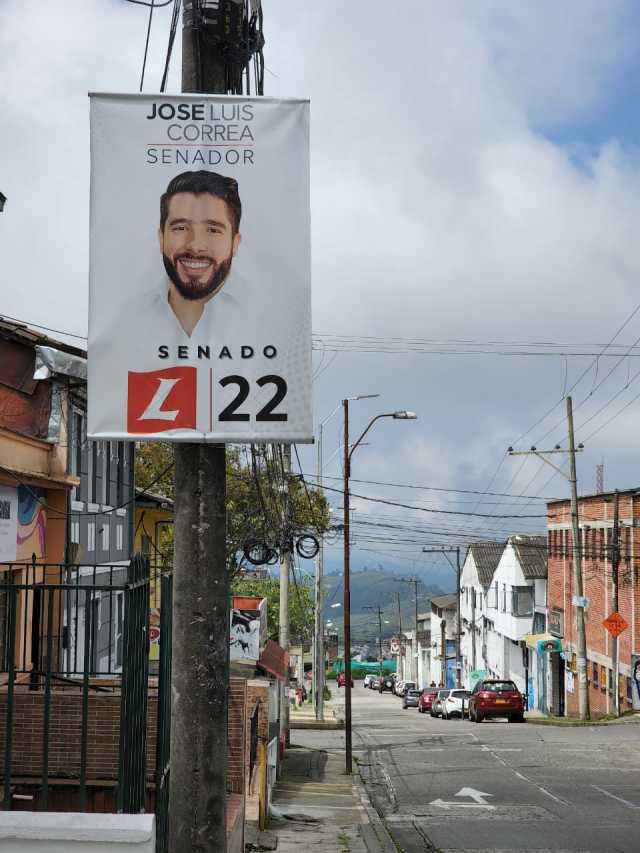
(348, 453)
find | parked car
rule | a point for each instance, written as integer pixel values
(407, 685)
(398, 686)
(410, 698)
(496, 698)
(342, 679)
(386, 683)
(456, 704)
(367, 680)
(374, 684)
(426, 698)
(436, 705)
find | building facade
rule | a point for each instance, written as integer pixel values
(476, 576)
(596, 522)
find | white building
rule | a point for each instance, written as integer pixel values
(518, 592)
(477, 573)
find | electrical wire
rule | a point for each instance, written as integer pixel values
(146, 44)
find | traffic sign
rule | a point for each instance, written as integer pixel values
(615, 624)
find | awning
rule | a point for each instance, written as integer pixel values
(543, 642)
(274, 660)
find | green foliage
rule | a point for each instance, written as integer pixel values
(255, 498)
(300, 605)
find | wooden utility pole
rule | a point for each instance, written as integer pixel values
(581, 640)
(615, 566)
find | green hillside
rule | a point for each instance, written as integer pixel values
(373, 587)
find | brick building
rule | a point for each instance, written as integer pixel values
(595, 514)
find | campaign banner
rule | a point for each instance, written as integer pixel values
(200, 282)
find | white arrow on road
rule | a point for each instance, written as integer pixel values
(477, 796)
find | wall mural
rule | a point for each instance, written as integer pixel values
(32, 523)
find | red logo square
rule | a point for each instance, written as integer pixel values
(160, 400)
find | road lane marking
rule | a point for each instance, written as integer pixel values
(619, 799)
(449, 805)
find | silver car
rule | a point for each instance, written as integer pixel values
(455, 704)
(436, 705)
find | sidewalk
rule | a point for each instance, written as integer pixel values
(305, 718)
(326, 811)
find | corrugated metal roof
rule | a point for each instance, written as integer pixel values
(20, 332)
(532, 555)
(444, 602)
(486, 556)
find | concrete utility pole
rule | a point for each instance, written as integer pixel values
(414, 655)
(446, 550)
(378, 609)
(443, 643)
(318, 655)
(201, 594)
(285, 574)
(581, 640)
(615, 565)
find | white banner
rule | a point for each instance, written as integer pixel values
(8, 524)
(199, 308)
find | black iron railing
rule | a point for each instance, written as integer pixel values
(67, 634)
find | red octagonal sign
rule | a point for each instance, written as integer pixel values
(615, 624)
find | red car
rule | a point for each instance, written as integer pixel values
(342, 680)
(426, 699)
(496, 698)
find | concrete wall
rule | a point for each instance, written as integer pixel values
(55, 832)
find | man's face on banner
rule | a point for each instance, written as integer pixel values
(198, 244)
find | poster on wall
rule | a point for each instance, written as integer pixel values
(635, 682)
(199, 295)
(8, 524)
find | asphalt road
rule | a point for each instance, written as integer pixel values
(528, 787)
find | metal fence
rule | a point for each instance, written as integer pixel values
(68, 634)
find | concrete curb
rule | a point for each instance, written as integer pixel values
(322, 725)
(374, 834)
(569, 723)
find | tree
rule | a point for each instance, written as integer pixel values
(255, 497)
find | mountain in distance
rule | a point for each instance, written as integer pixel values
(372, 586)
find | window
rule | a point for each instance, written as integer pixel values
(574, 663)
(91, 536)
(594, 674)
(119, 537)
(522, 600)
(492, 596)
(603, 678)
(610, 681)
(503, 600)
(121, 467)
(105, 537)
(75, 532)
(629, 691)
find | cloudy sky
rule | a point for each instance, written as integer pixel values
(475, 178)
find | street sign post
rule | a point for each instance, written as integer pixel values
(615, 624)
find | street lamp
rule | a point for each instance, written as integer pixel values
(318, 634)
(401, 415)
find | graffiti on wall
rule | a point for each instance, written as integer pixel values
(245, 634)
(32, 523)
